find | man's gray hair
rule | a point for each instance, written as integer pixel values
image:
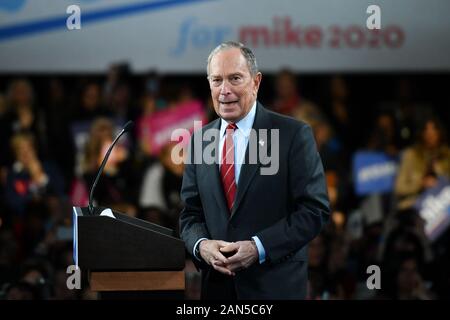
(246, 52)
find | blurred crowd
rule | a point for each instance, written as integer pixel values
(54, 132)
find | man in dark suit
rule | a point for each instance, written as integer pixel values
(248, 225)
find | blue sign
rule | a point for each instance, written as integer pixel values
(374, 172)
(434, 207)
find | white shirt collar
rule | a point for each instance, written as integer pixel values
(244, 125)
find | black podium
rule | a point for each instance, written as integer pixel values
(126, 257)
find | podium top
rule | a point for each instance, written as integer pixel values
(124, 243)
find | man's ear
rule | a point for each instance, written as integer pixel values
(257, 81)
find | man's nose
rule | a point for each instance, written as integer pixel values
(224, 88)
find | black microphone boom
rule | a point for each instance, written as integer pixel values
(126, 128)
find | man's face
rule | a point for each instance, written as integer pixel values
(233, 88)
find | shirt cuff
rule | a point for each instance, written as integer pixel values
(195, 247)
(261, 251)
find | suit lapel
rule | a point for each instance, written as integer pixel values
(248, 170)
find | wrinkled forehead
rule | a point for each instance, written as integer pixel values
(228, 62)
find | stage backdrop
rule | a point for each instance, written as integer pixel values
(176, 36)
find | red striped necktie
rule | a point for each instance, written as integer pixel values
(227, 168)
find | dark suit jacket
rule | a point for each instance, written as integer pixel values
(285, 210)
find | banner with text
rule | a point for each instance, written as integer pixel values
(434, 207)
(374, 172)
(175, 36)
(156, 129)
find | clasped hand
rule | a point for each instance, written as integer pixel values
(228, 257)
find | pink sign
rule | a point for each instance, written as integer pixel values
(156, 129)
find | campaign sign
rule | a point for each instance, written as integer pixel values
(434, 207)
(374, 172)
(156, 129)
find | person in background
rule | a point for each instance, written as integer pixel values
(115, 188)
(30, 178)
(21, 116)
(289, 102)
(91, 106)
(423, 164)
(160, 190)
(383, 137)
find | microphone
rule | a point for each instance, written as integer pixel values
(127, 127)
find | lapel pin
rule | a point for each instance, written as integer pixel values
(261, 143)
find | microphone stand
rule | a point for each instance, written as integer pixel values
(126, 128)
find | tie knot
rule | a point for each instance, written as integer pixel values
(232, 126)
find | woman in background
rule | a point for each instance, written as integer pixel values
(423, 164)
(115, 187)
